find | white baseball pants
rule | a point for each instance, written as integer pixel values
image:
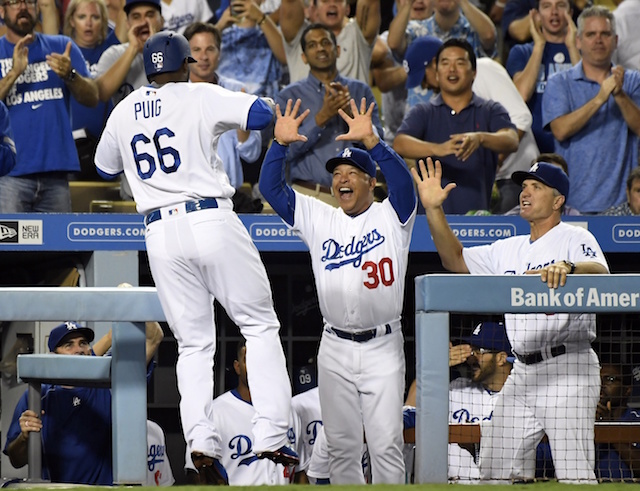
(194, 258)
(361, 389)
(557, 397)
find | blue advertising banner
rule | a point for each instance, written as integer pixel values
(119, 232)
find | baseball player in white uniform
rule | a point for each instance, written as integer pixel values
(359, 256)
(233, 413)
(555, 383)
(488, 354)
(163, 136)
(305, 409)
(158, 467)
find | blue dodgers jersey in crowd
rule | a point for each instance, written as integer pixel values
(76, 434)
(93, 118)
(38, 105)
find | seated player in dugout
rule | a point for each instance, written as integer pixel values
(75, 423)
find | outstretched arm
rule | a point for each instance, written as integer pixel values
(272, 183)
(401, 191)
(432, 195)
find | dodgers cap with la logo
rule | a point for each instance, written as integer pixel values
(549, 174)
(353, 156)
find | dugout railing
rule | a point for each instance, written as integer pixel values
(124, 371)
(439, 296)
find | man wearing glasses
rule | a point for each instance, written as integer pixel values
(617, 461)
(489, 359)
(39, 73)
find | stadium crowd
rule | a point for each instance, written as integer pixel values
(489, 88)
(591, 113)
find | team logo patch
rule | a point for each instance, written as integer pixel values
(21, 232)
(9, 232)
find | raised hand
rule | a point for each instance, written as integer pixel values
(288, 124)
(21, 54)
(572, 30)
(60, 63)
(360, 125)
(535, 28)
(429, 183)
(459, 354)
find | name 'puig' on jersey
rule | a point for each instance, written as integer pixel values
(147, 109)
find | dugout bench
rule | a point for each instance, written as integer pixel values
(124, 372)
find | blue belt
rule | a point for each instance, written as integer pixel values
(537, 357)
(359, 337)
(189, 206)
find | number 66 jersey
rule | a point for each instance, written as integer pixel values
(153, 132)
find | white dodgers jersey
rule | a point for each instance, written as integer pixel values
(306, 410)
(233, 419)
(158, 467)
(468, 403)
(165, 140)
(359, 263)
(516, 255)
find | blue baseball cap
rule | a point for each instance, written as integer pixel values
(132, 3)
(353, 156)
(491, 336)
(549, 174)
(59, 333)
(418, 55)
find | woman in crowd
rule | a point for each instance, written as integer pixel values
(86, 22)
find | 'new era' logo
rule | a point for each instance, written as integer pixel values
(9, 232)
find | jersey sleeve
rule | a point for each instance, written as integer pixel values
(14, 428)
(479, 259)
(226, 110)
(585, 248)
(399, 181)
(108, 159)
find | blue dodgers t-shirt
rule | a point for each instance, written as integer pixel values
(38, 105)
(93, 118)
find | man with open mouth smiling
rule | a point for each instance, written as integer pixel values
(359, 254)
(466, 132)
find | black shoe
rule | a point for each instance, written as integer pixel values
(284, 455)
(210, 470)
